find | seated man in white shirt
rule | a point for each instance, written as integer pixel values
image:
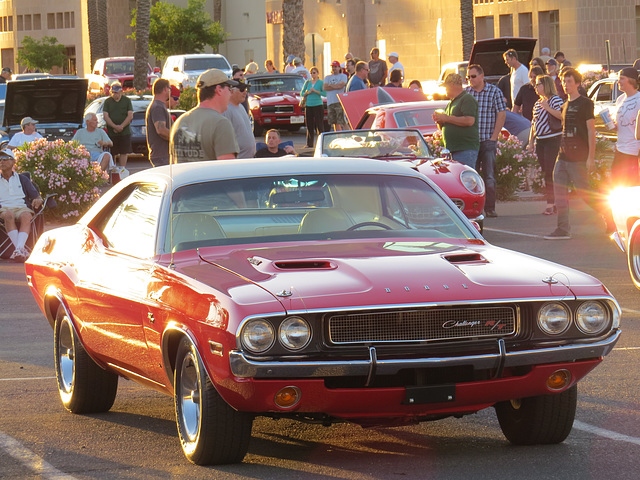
(27, 135)
(17, 198)
(94, 140)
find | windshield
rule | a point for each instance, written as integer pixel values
(288, 84)
(419, 117)
(205, 63)
(375, 143)
(119, 67)
(309, 207)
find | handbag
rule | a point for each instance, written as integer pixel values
(555, 124)
(303, 101)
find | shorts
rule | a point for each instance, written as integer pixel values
(121, 145)
(17, 211)
(98, 156)
(335, 114)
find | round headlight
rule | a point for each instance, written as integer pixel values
(257, 335)
(592, 318)
(472, 181)
(295, 333)
(553, 318)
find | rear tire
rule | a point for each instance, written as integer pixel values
(545, 419)
(633, 254)
(210, 431)
(84, 387)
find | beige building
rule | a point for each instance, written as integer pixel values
(410, 27)
(62, 19)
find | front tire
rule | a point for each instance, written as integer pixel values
(211, 432)
(633, 254)
(545, 419)
(84, 387)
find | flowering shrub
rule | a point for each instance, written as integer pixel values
(64, 169)
(590, 77)
(515, 166)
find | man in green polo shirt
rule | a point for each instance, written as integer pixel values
(459, 122)
(118, 113)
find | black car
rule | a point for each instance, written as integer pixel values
(56, 103)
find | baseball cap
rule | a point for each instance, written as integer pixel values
(290, 58)
(393, 54)
(212, 77)
(6, 70)
(551, 61)
(7, 153)
(335, 63)
(27, 120)
(175, 92)
(116, 87)
(629, 72)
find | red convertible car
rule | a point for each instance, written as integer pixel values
(321, 290)
(460, 183)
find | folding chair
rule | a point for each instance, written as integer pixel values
(37, 227)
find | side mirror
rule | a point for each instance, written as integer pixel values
(444, 153)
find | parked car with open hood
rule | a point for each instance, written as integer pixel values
(56, 103)
(318, 289)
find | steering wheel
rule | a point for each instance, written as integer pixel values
(368, 224)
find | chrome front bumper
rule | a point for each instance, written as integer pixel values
(244, 367)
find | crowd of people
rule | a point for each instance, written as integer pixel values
(547, 107)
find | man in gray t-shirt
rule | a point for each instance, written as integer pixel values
(240, 120)
(333, 85)
(158, 123)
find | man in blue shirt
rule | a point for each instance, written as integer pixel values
(357, 80)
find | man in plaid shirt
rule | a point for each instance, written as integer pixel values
(492, 111)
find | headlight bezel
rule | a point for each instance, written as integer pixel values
(471, 176)
(285, 341)
(254, 322)
(567, 322)
(606, 321)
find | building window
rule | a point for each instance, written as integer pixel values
(19, 22)
(506, 25)
(73, 20)
(549, 29)
(59, 20)
(525, 24)
(11, 23)
(484, 27)
(67, 20)
(27, 22)
(51, 21)
(37, 23)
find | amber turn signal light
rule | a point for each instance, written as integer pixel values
(559, 379)
(287, 397)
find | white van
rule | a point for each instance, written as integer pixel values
(183, 70)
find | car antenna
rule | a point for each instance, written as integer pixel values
(172, 266)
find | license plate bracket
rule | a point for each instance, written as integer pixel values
(431, 394)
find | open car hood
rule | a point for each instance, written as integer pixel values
(47, 100)
(356, 103)
(488, 54)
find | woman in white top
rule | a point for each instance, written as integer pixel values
(546, 130)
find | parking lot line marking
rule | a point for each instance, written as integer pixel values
(629, 310)
(585, 427)
(30, 460)
(530, 235)
(627, 348)
(25, 378)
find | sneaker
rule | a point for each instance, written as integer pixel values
(558, 234)
(18, 255)
(490, 213)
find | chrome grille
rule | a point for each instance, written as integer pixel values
(278, 109)
(422, 325)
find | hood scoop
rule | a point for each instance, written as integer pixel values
(468, 257)
(305, 265)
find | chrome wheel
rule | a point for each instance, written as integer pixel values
(633, 254)
(65, 356)
(190, 396)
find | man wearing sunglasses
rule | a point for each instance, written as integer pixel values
(203, 133)
(492, 112)
(240, 120)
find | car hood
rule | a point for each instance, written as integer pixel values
(276, 98)
(356, 103)
(47, 100)
(488, 54)
(344, 273)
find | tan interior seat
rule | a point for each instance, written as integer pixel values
(191, 227)
(325, 220)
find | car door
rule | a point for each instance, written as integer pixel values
(113, 271)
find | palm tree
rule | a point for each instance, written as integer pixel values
(293, 28)
(217, 17)
(466, 23)
(98, 34)
(140, 66)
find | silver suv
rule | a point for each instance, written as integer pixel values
(183, 70)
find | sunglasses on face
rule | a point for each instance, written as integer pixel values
(471, 76)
